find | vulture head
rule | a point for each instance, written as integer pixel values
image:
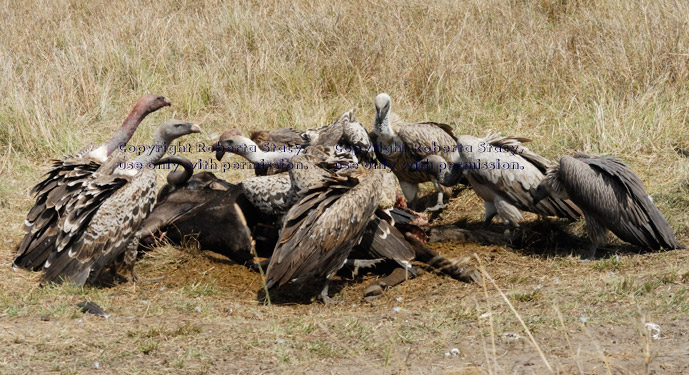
(172, 129)
(383, 103)
(230, 140)
(550, 186)
(151, 103)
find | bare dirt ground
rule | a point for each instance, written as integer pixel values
(199, 313)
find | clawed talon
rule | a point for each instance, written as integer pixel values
(362, 263)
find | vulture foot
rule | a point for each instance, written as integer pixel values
(323, 297)
(437, 208)
(362, 263)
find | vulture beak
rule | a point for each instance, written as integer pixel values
(379, 117)
(219, 151)
(195, 128)
(539, 194)
(167, 101)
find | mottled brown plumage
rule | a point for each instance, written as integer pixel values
(270, 151)
(67, 178)
(345, 134)
(321, 229)
(100, 226)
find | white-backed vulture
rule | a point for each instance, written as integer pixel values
(272, 150)
(269, 150)
(611, 197)
(66, 179)
(505, 174)
(100, 225)
(399, 145)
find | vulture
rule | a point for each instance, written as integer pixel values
(205, 207)
(400, 145)
(271, 151)
(65, 180)
(99, 228)
(611, 197)
(322, 228)
(274, 195)
(347, 135)
(505, 174)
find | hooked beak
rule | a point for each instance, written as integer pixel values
(540, 194)
(167, 101)
(219, 149)
(195, 128)
(219, 153)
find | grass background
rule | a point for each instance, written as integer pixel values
(607, 77)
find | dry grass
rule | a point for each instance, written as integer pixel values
(597, 76)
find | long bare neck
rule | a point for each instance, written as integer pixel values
(254, 154)
(125, 132)
(157, 149)
(383, 126)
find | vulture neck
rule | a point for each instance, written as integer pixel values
(124, 134)
(157, 149)
(251, 152)
(382, 126)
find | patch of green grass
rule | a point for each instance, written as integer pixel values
(201, 289)
(526, 296)
(325, 349)
(148, 346)
(612, 263)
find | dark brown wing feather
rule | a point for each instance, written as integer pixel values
(321, 229)
(383, 240)
(618, 200)
(269, 140)
(102, 222)
(65, 179)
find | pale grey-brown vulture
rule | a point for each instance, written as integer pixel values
(399, 145)
(611, 197)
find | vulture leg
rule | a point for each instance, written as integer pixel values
(324, 294)
(597, 233)
(130, 255)
(491, 211)
(439, 204)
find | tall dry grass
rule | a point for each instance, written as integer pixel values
(599, 76)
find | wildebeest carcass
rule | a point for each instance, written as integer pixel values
(201, 206)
